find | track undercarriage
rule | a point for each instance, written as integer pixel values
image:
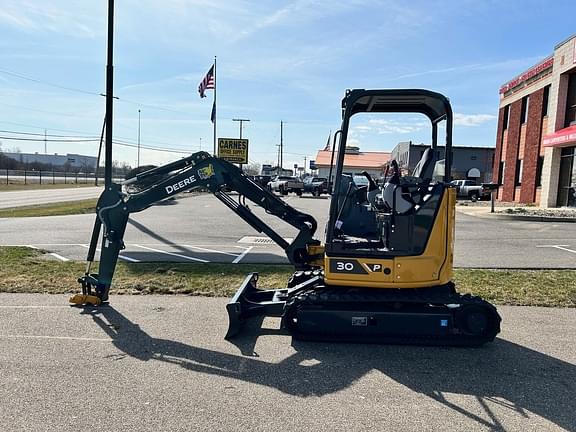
(310, 310)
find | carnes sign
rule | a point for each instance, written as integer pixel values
(233, 150)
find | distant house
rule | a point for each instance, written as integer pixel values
(355, 162)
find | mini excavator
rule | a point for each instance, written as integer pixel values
(384, 273)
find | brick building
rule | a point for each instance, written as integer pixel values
(535, 159)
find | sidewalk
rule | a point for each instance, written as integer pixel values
(535, 214)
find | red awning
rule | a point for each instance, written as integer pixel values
(563, 138)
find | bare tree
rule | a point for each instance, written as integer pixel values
(253, 168)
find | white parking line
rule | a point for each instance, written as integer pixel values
(124, 257)
(54, 337)
(561, 247)
(210, 250)
(242, 255)
(172, 254)
(60, 257)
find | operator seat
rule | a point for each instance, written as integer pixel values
(406, 194)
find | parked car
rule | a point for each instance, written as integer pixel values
(286, 184)
(262, 180)
(469, 189)
(316, 185)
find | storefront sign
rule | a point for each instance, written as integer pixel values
(562, 138)
(233, 150)
(532, 72)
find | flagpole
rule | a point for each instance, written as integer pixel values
(215, 154)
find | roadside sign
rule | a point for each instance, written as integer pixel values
(312, 164)
(233, 150)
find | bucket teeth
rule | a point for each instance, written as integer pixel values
(81, 299)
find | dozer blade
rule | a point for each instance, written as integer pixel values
(250, 302)
(82, 299)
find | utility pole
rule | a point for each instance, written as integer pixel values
(281, 146)
(45, 143)
(138, 162)
(305, 164)
(241, 121)
(200, 143)
(109, 97)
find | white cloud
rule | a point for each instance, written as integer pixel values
(382, 126)
(472, 119)
(57, 16)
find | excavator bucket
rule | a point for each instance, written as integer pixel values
(85, 299)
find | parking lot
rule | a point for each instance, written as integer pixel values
(160, 363)
(198, 228)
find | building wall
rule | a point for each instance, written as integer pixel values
(564, 61)
(531, 149)
(524, 142)
(463, 159)
(73, 160)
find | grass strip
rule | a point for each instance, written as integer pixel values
(26, 270)
(52, 209)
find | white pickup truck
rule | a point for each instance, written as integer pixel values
(285, 184)
(469, 189)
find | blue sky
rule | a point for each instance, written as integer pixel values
(277, 60)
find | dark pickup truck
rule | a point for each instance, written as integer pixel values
(316, 185)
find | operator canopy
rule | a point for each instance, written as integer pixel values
(433, 105)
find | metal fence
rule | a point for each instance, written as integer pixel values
(50, 177)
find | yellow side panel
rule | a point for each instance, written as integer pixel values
(433, 267)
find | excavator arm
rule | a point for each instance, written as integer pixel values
(197, 171)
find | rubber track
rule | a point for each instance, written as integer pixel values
(354, 297)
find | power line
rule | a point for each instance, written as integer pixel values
(48, 140)
(76, 90)
(24, 77)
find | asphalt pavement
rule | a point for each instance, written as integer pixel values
(199, 227)
(160, 363)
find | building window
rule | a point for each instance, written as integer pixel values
(518, 175)
(571, 102)
(506, 116)
(501, 172)
(545, 99)
(524, 112)
(539, 167)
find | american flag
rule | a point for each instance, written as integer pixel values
(206, 83)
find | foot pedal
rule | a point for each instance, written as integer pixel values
(81, 299)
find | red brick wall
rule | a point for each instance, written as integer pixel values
(498, 152)
(532, 148)
(512, 150)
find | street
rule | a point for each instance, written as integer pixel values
(150, 363)
(199, 228)
(46, 196)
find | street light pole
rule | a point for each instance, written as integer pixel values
(138, 162)
(109, 97)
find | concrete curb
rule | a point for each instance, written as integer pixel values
(488, 215)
